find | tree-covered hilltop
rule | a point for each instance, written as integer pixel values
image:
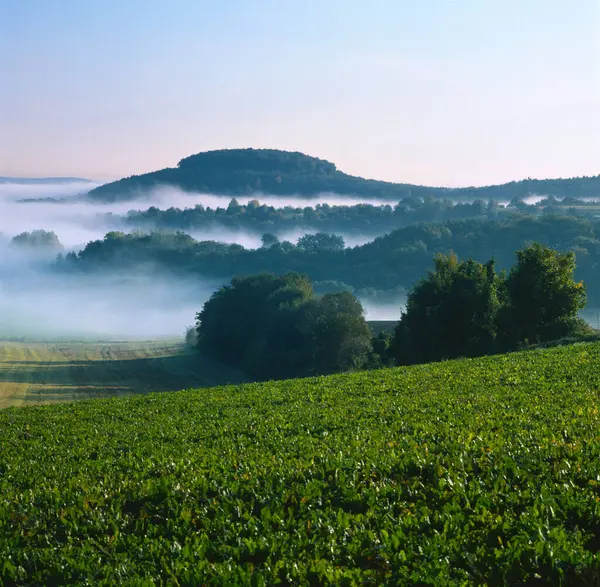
(271, 171)
(392, 261)
(246, 171)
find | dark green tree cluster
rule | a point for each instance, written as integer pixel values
(37, 239)
(465, 308)
(542, 297)
(365, 219)
(271, 171)
(275, 327)
(257, 218)
(396, 260)
(315, 243)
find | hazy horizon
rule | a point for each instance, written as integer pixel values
(38, 303)
(99, 182)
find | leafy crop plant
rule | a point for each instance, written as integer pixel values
(482, 471)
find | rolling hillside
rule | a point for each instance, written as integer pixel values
(270, 171)
(481, 471)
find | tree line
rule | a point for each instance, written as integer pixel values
(393, 261)
(276, 327)
(36, 240)
(257, 218)
(363, 219)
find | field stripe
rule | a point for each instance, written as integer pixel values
(35, 373)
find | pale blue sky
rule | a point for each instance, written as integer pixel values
(429, 91)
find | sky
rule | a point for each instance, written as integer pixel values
(437, 92)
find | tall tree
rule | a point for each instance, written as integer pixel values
(238, 320)
(543, 296)
(341, 336)
(450, 313)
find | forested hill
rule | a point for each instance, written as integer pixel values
(269, 171)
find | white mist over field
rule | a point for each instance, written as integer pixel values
(38, 303)
(388, 311)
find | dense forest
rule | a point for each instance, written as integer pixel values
(361, 219)
(269, 171)
(389, 262)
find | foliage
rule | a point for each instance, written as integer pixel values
(381, 354)
(270, 171)
(314, 243)
(543, 297)
(451, 313)
(466, 309)
(365, 219)
(341, 338)
(37, 239)
(479, 471)
(274, 327)
(396, 260)
(268, 240)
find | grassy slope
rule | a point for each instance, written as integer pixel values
(50, 372)
(474, 471)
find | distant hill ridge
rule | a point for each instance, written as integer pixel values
(269, 171)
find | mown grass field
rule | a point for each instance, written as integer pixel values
(483, 471)
(61, 371)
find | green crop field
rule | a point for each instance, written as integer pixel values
(60, 371)
(481, 471)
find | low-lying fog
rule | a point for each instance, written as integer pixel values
(77, 220)
(37, 303)
(17, 190)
